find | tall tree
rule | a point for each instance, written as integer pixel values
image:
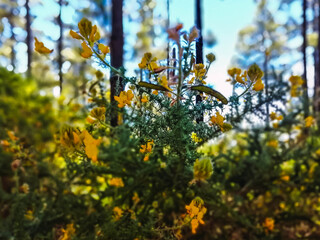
(28, 38)
(199, 47)
(60, 46)
(304, 52)
(116, 45)
(316, 54)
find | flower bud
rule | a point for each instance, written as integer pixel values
(211, 57)
(255, 72)
(202, 169)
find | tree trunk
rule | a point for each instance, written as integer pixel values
(60, 47)
(29, 38)
(116, 46)
(304, 47)
(316, 24)
(199, 49)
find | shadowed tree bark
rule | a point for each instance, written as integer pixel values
(29, 38)
(316, 24)
(116, 48)
(60, 47)
(199, 48)
(304, 47)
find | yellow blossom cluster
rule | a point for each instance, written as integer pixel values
(218, 120)
(116, 182)
(202, 169)
(268, 224)
(272, 143)
(195, 138)
(74, 139)
(308, 121)
(117, 213)
(97, 115)
(148, 62)
(89, 35)
(199, 71)
(147, 149)
(296, 83)
(40, 48)
(68, 233)
(124, 98)
(195, 213)
(248, 79)
(275, 117)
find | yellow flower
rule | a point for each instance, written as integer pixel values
(85, 28)
(273, 116)
(87, 52)
(94, 35)
(195, 138)
(69, 137)
(75, 35)
(12, 136)
(116, 182)
(68, 233)
(275, 125)
(91, 145)
(318, 152)
(255, 73)
(24, 188)
(29, 215)
(272, 143)
(164, 82)
(269, 224)
(40, 48)
(285, 178)
(155, 92)
(147, 62)
(196, 211)
(258, 86)
(104, 49)
(234, 71)
(202, 169)
(217, 120)
(199, 72)
(308, 121)
(135, 198)
(144, 99)
(117, 213)
(147, 148)
(97, 114)
(124, 98)
(296, 82)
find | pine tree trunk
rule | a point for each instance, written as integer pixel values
(29, 38)
(317, 61)
(304, 47)
(60, 47)
(116, 46)
(199, 49)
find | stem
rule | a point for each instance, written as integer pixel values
(117, 71)
(180, 73)
(245, 90)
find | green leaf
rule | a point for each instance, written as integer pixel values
(152, 86)
(211, 92)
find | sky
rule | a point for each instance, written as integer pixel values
(225, 18)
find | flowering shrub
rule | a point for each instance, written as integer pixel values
(153, 176)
